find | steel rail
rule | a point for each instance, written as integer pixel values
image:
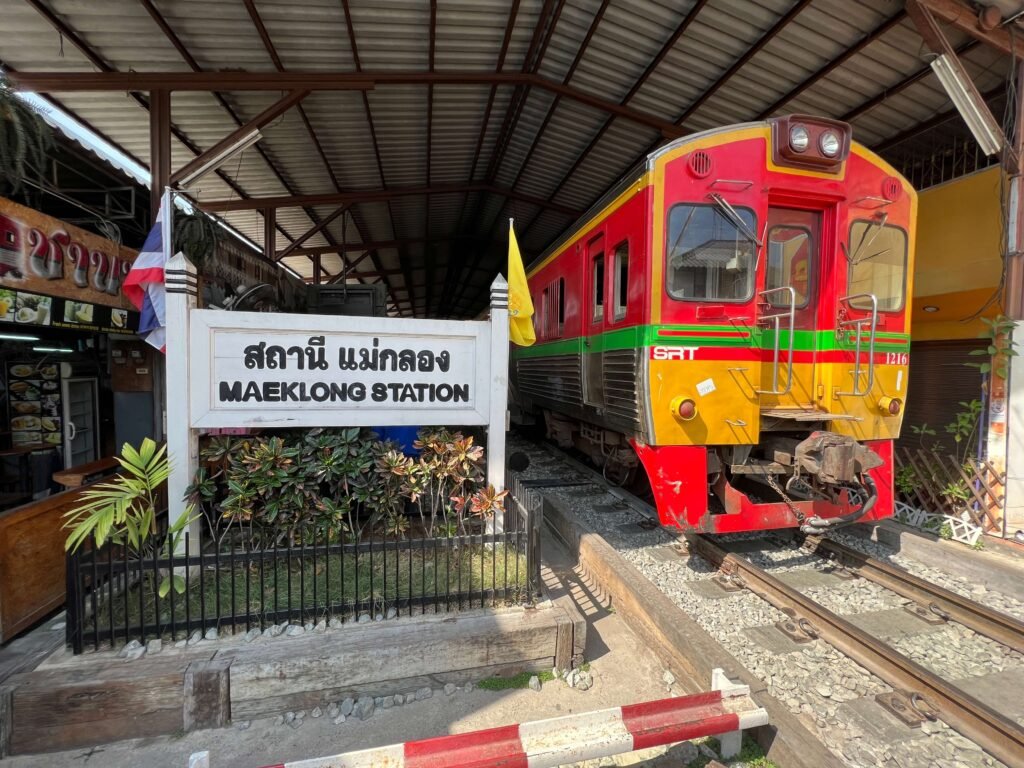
(995, 733)
(985, 621)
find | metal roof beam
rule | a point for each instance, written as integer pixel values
(766, 38)
(963, 17)
(291, 249)
(668, 45)
(373, 195)
(902, 85)
(265, 117)
(69, 82)
(835, 63)
(376, 245)
(354, 47)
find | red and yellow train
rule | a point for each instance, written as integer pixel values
(734, 318)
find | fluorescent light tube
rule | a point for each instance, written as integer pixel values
(222, 157)
(18, 337)
(64, 350)
(969, 104)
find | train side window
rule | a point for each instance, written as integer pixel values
(597, 286)
(621, 278)
(709, 257)
(553, 309)
(878, 265)
(561, 306)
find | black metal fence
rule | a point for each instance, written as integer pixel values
(115, 597)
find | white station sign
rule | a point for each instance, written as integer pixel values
(278, 370)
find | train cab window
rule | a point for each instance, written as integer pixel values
(597, 287)
(878, 265)
(710, 257)
(621, 279)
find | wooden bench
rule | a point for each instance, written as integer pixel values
(75, 477)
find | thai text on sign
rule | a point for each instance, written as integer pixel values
(342, 370)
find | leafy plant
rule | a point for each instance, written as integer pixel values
(1000, 348)
(196, 235)
(334, 484)
(123, 511)
(25, 140)
(964, 426)
(905, 480)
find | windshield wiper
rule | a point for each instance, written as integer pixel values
(864, 242)
(734, 218)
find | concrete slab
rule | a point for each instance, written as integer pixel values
(667, 554)
(890, 623)
(1000, 571)
(709, 589)
(879, 726)
(1000, 690)
(772, 640)
(807, 579)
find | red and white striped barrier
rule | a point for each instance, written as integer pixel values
(560, 740)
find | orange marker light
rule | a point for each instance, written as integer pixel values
(890, 405)
(684, 408)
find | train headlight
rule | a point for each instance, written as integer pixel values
(683, 408)
(829, 144)
(891, 406)
(799, 138)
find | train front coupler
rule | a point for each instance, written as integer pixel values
(838, 462)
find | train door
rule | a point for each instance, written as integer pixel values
(594, 322)
(788, 307)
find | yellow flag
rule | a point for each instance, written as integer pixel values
(520, 305)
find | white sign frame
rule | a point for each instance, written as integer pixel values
(190, 368)
(207, 325)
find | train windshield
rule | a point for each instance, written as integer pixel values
(878, 264)
(710, 254)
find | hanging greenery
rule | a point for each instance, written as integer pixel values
(25, 140)
(196, 235)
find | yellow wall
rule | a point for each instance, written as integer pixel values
(959, 233)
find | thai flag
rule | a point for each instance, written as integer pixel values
(144, 286)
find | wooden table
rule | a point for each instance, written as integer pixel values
(75, 477)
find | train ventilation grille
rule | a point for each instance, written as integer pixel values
(700, 164)
(892, 189)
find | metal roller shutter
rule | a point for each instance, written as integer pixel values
(939, 382)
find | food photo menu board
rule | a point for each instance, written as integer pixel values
(33, 388)
(34, 309)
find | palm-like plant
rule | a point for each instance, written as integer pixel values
(25, 140)
(123, 511)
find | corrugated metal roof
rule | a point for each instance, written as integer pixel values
(540, 147)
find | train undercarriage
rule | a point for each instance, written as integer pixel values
(812, 479)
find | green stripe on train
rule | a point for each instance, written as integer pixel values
(696, 336)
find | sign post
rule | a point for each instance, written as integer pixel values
(497, 415)
(182, 440)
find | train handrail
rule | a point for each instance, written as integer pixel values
(858, 324)
(777, 318)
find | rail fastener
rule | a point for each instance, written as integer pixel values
(941, 602)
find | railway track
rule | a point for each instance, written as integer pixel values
(922, 692)
(918, 694)
(929, 597)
